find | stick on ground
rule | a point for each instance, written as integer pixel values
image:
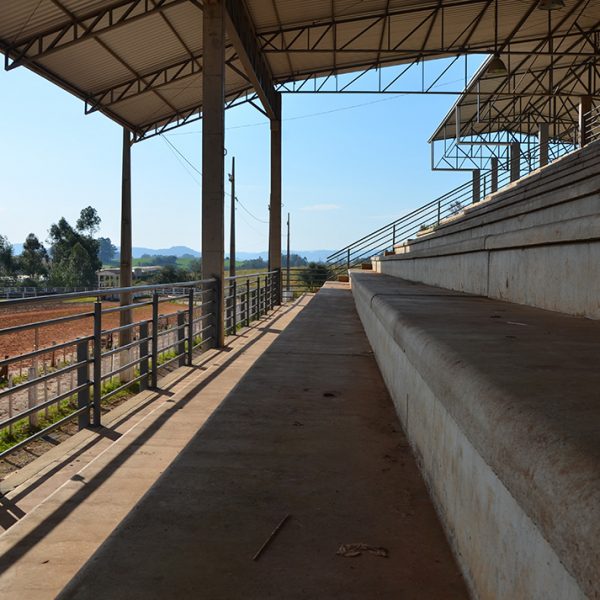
(270, 538)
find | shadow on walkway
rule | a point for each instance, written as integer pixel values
(309, 432)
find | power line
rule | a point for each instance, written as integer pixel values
(324, 112)
(254, 217)
(164, 137)
(180, 154)
(175, 153)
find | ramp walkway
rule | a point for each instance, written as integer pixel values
(308, 436)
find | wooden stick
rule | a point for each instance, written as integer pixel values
(270, 538)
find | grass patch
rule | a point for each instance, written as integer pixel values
(22, 429)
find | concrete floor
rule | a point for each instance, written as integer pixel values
(309, 432)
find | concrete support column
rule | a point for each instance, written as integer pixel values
(585, 105)
(494, 174)
(213, 157)
(125, 317)
(515, 161)
(543, 137)
(476, 185)
(275, 201)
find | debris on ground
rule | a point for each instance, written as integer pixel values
(273, 534)
(353, 550)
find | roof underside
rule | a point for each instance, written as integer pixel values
(520, 101)
(140, 61)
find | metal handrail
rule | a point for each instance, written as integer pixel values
(431, 214)
(248, 297)
(103, 292)
(91, 360)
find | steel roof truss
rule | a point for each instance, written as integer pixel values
(241, 32)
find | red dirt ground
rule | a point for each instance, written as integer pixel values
(21, 342)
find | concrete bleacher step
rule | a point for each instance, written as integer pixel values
(500, 404)
(536, 243)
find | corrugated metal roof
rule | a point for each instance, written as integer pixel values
(139, 61)
(518, 102)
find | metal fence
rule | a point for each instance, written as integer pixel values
(9, 292)
(43, 388)
(248, 297)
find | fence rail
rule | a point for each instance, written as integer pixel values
(249, 297)
(97, 358)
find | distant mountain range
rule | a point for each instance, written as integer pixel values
(310, 255)
(138, 252)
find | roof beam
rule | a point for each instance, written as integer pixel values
(243, 37)
(80, 28)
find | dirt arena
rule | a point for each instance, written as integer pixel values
(14, 344)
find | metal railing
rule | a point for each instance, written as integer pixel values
(592, 125)
(249, 297)
(80, 359)
(10, 292)
(427, 217)
(299, 280)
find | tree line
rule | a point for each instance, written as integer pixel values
(74, 254)
(72, 258)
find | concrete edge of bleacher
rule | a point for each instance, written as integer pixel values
(519, 494)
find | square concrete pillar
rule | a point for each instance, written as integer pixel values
(213, 158)
(585, 106)
(125, 316)
(275, 201)
(543, 137)
(515, 161)
(494, 175)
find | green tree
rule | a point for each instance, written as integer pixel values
(195, 268)
(74, 252)
(172, 274)
(314, 276)
(295, 260)
(7, 260)
(88, 221)
(107, 250)
(33, 261)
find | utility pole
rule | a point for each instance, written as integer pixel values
(232, 231)
(288, 257)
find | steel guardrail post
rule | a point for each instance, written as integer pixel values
(83, 377)
(181, 337)
(190, 348)
(154, 369)
(267, 292)
(248, 308)
(218, 316)
(144, 355)
(234, 309)
(97, 419)
(258, 293)
(273, 290)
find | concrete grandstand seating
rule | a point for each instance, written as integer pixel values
(500, 404)
(536, 242)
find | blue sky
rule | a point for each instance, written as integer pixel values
(351, 163)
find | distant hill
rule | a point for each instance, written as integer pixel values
(138, 251)
(311, 255)
(172, 251)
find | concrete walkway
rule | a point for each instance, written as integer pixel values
(308, 432)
